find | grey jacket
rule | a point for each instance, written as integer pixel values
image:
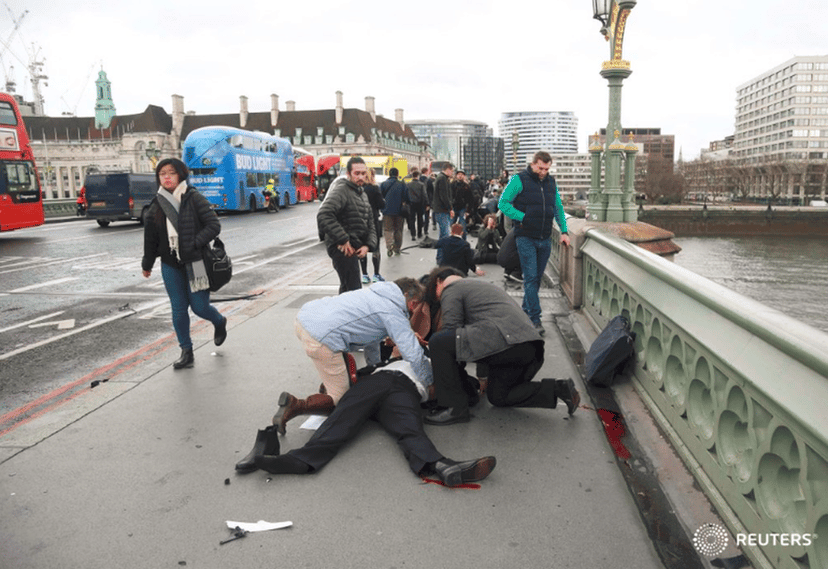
(346, 216)
(486, 319)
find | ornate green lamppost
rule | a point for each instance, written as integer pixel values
(611, 203)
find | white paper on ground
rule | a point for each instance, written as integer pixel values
(261, 525)
(313, 422)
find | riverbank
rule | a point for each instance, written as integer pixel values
(733, 220)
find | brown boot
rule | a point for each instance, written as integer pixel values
(290, 407)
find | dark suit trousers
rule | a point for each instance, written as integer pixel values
(350, 276)
(510, 378)
(391, 399)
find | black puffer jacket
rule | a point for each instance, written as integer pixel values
(198, 224)
(346, 216)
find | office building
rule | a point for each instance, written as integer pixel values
(525, 133)
(469, 145)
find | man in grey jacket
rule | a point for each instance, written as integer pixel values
(481, 323)
(347, 222)
(333, 326)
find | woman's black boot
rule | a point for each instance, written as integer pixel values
(186, 360)
(267, 443)
(221, 332)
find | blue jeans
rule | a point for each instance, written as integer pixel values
(534, 254)
(443, 220)
(182, 299)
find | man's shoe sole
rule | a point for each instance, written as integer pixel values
(576, 397)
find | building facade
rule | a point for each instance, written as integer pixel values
(525, 133)
(780, 145)
(66, 148)
(469, 145)
(573, 175)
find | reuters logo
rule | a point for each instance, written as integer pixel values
(710, 540)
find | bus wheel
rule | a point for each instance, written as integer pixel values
(253, 204)
(103, 223)
(286, 200)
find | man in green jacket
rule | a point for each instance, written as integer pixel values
(532, 200)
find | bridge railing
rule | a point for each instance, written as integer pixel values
(740, 388)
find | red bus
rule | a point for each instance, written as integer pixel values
(305, 175)
(327, 169)
(21, 201)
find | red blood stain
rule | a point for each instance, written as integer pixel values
(614, 427)
(441, 483)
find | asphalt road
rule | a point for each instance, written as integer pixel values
(73, 299)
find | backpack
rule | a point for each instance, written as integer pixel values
(610, 352)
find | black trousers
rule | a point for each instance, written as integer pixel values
(416, 218)
(350, 277)
(510, 375)
(391, 399)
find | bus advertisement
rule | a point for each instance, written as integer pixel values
(305, 175)
(231, 167)
(381, 165)
(21, 201)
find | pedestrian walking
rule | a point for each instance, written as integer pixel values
(178, 225)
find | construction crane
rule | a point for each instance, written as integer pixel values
(10, 83)
(34, 65)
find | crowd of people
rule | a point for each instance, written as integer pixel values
(419, 335)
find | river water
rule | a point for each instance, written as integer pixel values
(789, 274)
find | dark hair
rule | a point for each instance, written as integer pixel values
(411, 289)
(542, 156)
(393, 172)
(180, 169)
(415, 172)
(437, 274)
(448, 166)
(354, 160)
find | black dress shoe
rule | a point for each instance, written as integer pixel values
(566, 392)
(453, 473)
(448, 416)
(187, 359)
(267, 443)
(221, 332)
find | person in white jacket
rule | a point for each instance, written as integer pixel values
(331, 327)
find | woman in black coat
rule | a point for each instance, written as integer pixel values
(178, 225)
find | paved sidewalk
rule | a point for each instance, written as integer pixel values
(145, 478)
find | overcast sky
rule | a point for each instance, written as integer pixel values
(433, 59)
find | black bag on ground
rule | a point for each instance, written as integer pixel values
(218, 264)
(610, 352)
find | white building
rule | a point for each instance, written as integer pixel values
(783, 113)
(525, 133)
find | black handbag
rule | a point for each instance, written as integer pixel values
(218, 264)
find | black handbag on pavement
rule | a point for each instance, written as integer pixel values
(610, 352)
(218, 264)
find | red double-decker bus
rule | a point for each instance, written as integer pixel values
(21, 201)
(305, 175)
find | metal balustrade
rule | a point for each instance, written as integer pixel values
(740, 388)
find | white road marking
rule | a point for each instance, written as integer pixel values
(47, 283)
(61, 324)
(54, 262)
(29, 322)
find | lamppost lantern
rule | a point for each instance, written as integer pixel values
(601, 11)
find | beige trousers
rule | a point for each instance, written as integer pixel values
(329, 364)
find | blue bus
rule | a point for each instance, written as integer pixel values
(231, 167)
